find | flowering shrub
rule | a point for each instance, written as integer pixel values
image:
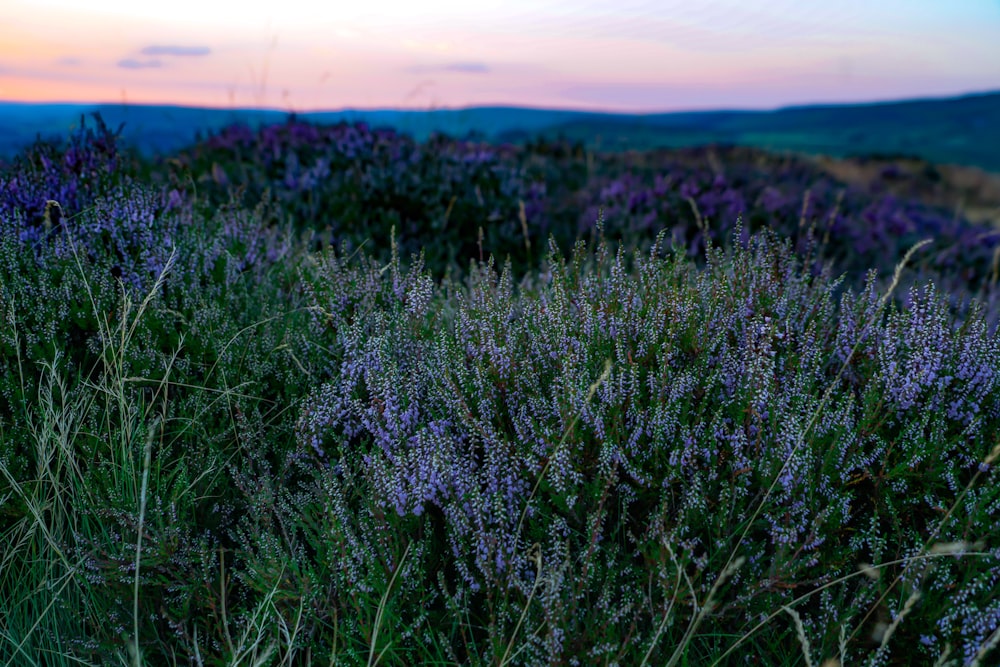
(857, 229)
(351, 183)
(476, 438)
(460, 200)
(222, 441)
(132, 306)
(73, 175)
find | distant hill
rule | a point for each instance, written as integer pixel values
(959, 130)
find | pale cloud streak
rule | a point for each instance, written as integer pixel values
(132, 63)
(459, 67)
(184, 51)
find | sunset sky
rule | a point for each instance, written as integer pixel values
(614, 55)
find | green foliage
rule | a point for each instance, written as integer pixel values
(222, 445)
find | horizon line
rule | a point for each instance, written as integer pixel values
(507, 106)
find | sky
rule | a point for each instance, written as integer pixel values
(638, 56)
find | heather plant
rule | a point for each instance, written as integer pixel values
(698, 193)
(84, 374)
(453, 200)
(123, 242)
(221, 446)
(526, 495)
(73, 173)
(860, 229)
(458, 200)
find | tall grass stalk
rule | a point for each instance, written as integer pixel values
(373, 659)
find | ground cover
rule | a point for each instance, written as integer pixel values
(328, 395)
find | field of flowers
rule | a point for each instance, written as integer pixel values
(326, 395)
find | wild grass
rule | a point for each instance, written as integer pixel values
(261, 454)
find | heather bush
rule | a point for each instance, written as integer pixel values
(349, 183)
(486, 455)
(461, 200)
(221, 443)
(139, 326)
(73, 173)
(692, 193)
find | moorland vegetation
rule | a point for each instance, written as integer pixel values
(326, 395)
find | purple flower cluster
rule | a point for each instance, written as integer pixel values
(349, 183)
(74, 175)
(715, 390)
(857, 228)
(921, 357)
(462, 200)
